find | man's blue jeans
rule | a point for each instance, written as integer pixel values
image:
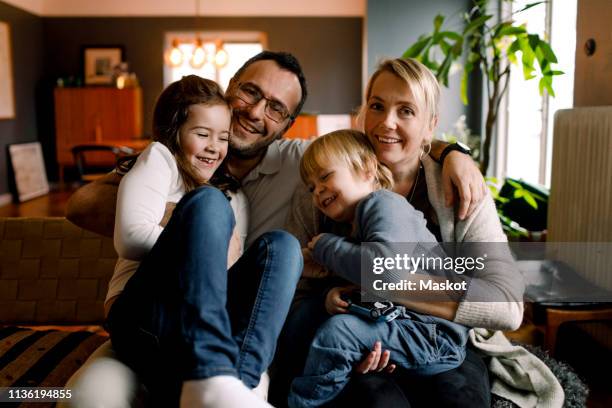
(420, 344)
(184, 316)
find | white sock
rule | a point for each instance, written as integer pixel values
(262, 388)
(222, 391)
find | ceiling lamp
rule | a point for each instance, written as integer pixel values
(198, 57)
(221, 57)
(211, 52)
(174, 56)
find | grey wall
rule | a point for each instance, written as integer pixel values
(328, 48)
(26, 45)
(394, 25)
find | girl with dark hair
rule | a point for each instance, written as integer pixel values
(194, 331)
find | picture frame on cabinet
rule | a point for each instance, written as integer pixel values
(99, 61)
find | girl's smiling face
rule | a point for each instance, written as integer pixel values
(396, 122)
(204, 137)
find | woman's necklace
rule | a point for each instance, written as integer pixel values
(416, 181)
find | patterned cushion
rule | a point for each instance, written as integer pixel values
(44, 358)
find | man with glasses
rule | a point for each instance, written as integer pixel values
(266, 94)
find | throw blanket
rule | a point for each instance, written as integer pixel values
(518, 375)
(45, 358)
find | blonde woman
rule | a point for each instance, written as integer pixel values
(399, 117)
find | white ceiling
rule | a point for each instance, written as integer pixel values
(122, 8)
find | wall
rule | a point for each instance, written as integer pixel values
(592, 85)
(26, 46)
(393, 25)
(328, 48)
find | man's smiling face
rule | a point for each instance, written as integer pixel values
(252, 128)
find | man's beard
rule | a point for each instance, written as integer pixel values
(253, 150)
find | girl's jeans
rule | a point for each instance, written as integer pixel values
(420, 344)
(184, 316)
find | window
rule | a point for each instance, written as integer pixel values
(530, 117)
(240, 46)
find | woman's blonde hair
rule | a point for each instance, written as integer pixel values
(350, 147)
(420, 80)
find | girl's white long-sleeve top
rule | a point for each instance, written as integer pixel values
(153, 181)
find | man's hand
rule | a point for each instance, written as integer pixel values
(376, 360)
(167, 214)
(311, 268)
(460, 171)
(92, 207)
(234, 250)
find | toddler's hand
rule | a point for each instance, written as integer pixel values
(376, 360)
(311, 268)
(313, 242)
(334, 303)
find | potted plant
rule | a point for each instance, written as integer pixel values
(522, 208)
(492, 47)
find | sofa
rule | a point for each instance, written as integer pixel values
(53, 281)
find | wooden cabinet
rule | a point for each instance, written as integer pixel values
(310, 126)
(96, 116)
(304, 127)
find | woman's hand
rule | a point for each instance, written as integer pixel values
(376, 360)
(311, 268)
(460, 171)
(333, 301)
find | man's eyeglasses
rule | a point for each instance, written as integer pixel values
(251, 95)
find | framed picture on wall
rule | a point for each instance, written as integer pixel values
(28, 167)
(99, 62)
(7, 96)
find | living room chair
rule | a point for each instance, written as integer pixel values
(87, 170)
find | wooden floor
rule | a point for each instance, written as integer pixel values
(49, 205)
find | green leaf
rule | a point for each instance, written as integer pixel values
(547, 51)
(557, 73)
(457, 48)
(442, 73)
(445, 47)
(464, 86)
(515, 46)
(510, 30)
(531, 201)
(503, 200)
(476, 24)
(530, 5)
(438, 20)
(451, 35)
(473, 58)
(546, 83)
(514, 184)
(511, 57)
(528, 58)
(534, 41)
(417, 48)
